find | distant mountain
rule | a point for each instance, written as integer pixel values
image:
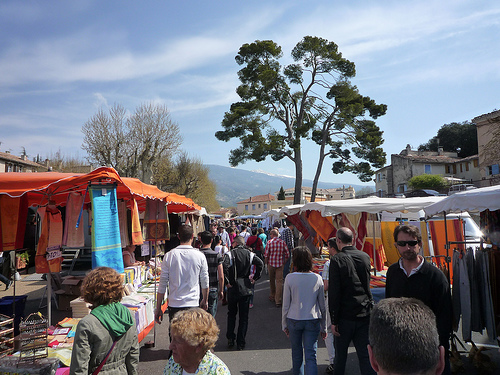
(234, 185)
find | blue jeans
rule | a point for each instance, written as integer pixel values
(213, 299)
(304, 340)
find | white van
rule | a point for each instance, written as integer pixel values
(460, 187)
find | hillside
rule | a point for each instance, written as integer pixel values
(234, 185)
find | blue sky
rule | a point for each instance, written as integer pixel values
(431, 62)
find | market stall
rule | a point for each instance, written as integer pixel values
(109, 198)
(476, 265)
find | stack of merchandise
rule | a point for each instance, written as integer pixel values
(79, 308)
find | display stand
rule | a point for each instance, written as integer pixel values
(6, 335)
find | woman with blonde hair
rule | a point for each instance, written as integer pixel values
(194, 332)
(106, 339)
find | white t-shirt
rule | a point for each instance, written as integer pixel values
(184, 269)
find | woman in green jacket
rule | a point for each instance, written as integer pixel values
(109, 328)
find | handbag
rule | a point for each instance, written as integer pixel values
(243, 285)
(98, 369)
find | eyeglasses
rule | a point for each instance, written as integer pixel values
(404, 243)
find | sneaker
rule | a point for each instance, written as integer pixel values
(329, 369)
(230, 343)
(7, 286)
(251, 305)
(17, 276)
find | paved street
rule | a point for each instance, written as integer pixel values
(267, 350)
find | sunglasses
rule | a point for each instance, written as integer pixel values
(404, 243)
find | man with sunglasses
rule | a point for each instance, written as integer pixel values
(412, 276)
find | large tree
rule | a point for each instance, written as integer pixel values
(189, 177)
(460, 137)
(281, 106)
(131, 143)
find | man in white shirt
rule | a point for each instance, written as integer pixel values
(244, 233)
(184, 270)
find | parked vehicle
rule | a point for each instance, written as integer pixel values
(460, 187)
(423, 193)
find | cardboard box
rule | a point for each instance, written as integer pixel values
(64, 300)
(71, 285)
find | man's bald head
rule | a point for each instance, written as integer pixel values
(344, 237)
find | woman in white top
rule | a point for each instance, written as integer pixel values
(219, 247)
(304, 313)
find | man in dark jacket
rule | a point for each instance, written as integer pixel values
(350, 302)
(414, 277)
(237, 268)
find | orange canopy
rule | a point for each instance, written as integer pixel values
(40, 188)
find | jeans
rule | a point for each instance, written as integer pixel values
(304, 340)
(213, 299)
(286, 266)
(276, 284)
(236, 302)
(357, 332)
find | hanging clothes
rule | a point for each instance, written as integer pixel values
(73, 228)
(13, 215)
(136, 225)
(48, 254)
(123, 220)
(461, 295)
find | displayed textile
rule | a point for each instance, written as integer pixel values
(48, 254)
(321, 225)
(455, 232)
(461, 295)
(13, 215)
(156, 225)
(387, 235)
(472, 294)
(106, 245)
(73, 224)
(122, 218)
(490, 225)
(136, 225)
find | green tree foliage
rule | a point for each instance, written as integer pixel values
(460, 137)
(282, 106)
(131, 143)
(189, 177)
(281, 194)
(427, 181)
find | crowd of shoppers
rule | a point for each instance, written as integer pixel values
(336, 306)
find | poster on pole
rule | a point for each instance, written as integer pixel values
(106, 243)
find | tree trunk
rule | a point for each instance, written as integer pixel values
(316, 176)
(298, 175)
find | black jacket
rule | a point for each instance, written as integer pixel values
(242, 259)
(349, 295)
(429, 285)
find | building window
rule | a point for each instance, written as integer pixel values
(448, 169)
(492, 170)
(427, 169)
(475, 162)
(246, 207)
(253, 207)
(265, 206)
(402, 188)
(378, 177)
(467, 167)
(259, 205)
(461, 168)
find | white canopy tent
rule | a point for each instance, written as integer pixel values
(291, 210)
(371, 205)
(475, 200)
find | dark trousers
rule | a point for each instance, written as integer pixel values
(357, 332)
(236, 302)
